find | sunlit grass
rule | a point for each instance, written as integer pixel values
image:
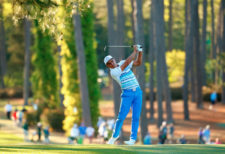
(10, 139)
(169, 149)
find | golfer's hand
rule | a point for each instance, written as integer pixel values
(135, 49)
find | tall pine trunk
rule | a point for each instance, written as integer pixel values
(213, 47)
(151, 61)
(221, 44)
(2, 49)
(188, 50)
(223, 49)
(166, 87)
(139, 39)
(86, 114)
(158, 37)
(203, 42)
(120, 28)
(27, 61)
(114, 53)
(197, 58)
(170, 38)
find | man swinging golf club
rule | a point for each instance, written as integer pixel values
(131, 93)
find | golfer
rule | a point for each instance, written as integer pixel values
(131, 93)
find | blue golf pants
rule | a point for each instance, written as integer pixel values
(129, 99)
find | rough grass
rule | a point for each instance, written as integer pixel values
(10, 143)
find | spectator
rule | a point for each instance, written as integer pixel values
(200, 136)
(46, 134)
(35, 106)
(90, 133)
(25, 130)
(100, 121)
(147, 139)
(74, 134)
(34, 133)
(163, 133)
(20, 118)
(171, 132)
(102, 131)
(182, 140)
(206, 134)
(14, 115)
(8, 110)
(82, 130)
(110, 123)
(39, 129)
(217, 141)
(213, 98)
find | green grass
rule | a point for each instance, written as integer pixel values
(12, 144)
(6, 138)
(106, 149)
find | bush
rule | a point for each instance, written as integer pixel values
(54, 118)
(11, 92)
(32, 118)
(177, 93)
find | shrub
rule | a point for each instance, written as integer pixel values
(32, 118)
(11, 92)
(54, 118)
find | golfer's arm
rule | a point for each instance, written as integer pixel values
(138, 60)
(128, 60)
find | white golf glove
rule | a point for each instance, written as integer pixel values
(139, 48)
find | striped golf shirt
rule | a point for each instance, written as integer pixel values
(125, 78)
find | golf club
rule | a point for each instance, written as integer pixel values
(118, 46)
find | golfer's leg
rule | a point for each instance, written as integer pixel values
(124, 110)
(136, 111)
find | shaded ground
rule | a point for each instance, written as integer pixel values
(198, 118)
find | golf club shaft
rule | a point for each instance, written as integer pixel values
(120, 46)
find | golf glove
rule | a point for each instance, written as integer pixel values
(139, 48)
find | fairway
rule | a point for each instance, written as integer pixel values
(10, 143)
(106, 149)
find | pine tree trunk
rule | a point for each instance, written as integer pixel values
(151, 61)
(170, 39)
(158, 37)
(3, 64)
(120, 28)
(203, 42)
(82, 69)
(132, 18)
(197, 57)
(61, 97)
(114, 53)
(27, 61)
(139, 39)
(166, 87)
(222, 50)
(213, 47)
(188, 50)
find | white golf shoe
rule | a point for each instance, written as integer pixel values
(130, 142)
(112, 140)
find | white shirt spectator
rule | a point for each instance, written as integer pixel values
(8, 107)
(74, 131)
(102, 129)
(90, 131)
(110, 123)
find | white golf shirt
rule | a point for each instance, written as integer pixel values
(126, 78)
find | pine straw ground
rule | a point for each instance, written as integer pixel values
(199, 118)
